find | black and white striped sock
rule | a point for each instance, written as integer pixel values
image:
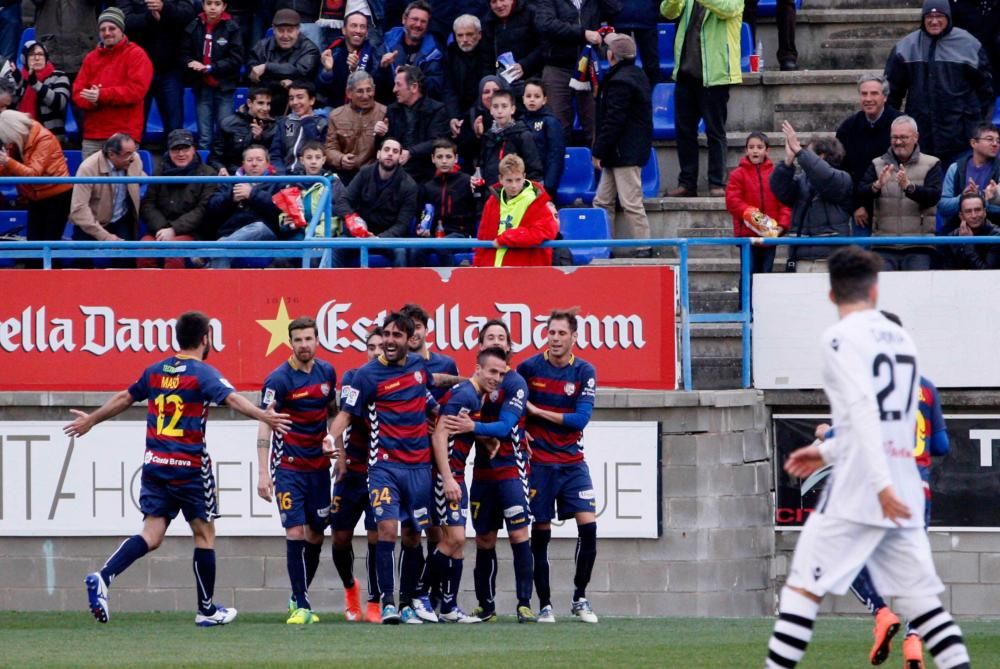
(941, 636)
(792, 631)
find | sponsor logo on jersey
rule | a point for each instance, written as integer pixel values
(148, 457)
(268, 396)
(420, 513)
(519, 394)
(587, 494)
(324, 512)
(226, 383)
(349, 395)
(170, 369)
(300, 394)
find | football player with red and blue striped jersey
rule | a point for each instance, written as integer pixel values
(561, 393)
(177, 471)
(293, 468)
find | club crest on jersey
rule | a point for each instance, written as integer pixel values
(494, 395)
(419, 376)
(325, 388)
(569, 388)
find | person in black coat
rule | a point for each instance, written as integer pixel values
(250, 124)
(624, 137)
(510, 27)
(416, 121)
(212, 67)
(385, 198)
(547, 132)
(566, 28)
(285, 56)
(505, 137)
(160, 34)
(467, 62)
(982, 19)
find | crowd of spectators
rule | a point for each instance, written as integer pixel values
(415, 107)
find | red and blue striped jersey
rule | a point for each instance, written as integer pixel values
(394, 399)
(179, 391)
(439, 363)
(465, 397)
(562, 390)
(510, 461)
(932, 433)
(306, 398)
(356, 440)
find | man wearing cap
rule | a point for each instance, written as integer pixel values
(159, 27)
(112, 84)
(624, 136)
(943, 73)
(282, 58)
(175, 212)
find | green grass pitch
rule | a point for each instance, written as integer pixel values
(263, 640)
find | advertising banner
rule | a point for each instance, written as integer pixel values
(96, 330)
(51, 485)
(965, 484)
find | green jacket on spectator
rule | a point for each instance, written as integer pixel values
(722, 25)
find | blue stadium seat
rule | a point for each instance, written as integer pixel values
(154, 125)
(996, 113)
(190, 112)
(26, 36)
(239, 97)
(14, 223)
(147, 166)
(8, 193)
(585, 224)
(72, 127)
(666, 32)
(769, 8)
(578, 176)
(203, 154)
(651, 176)
(73, 160)
(746, 47)
(663, 112)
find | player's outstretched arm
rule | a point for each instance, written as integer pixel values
(442, 380)
(279, 422)
(84, 421)
(804, 461)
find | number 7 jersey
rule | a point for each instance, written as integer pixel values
(179, 390)
(871, 378)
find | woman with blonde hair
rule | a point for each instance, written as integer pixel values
(28, 149)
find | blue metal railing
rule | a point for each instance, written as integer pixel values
(49, 250)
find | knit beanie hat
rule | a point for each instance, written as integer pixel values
(112, 15)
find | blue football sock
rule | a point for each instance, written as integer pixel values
(384, 556)
(295, 554)
(484, 574)
(410, 565)
(204, 578)
(343, 560)
(523, 569)
(313, 554)
(128, 552)
(865, 591)
(436, 573)
(586, 554)
(540, 551)
(372, 573)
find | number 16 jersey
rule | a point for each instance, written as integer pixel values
(871, 378)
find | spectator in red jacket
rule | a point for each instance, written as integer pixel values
(749, 191)
(517, 218)
(112, 84)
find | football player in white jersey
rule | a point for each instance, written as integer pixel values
(872, 510)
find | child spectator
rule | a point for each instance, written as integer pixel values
(46, 89)
(451, 195)
(505, 137)
(250, 124)
(213, 55)
(517, 217)
(311, 162)
(468, 131)
(301, 124)
(749, 191)
(547, 131)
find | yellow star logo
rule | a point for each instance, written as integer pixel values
(277, 327)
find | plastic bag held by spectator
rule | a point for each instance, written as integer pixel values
(357, 226)
(289, 201)
(761, 223)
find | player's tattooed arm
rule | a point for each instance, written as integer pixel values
(265, 486)
(442, 380)
(84, 421)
